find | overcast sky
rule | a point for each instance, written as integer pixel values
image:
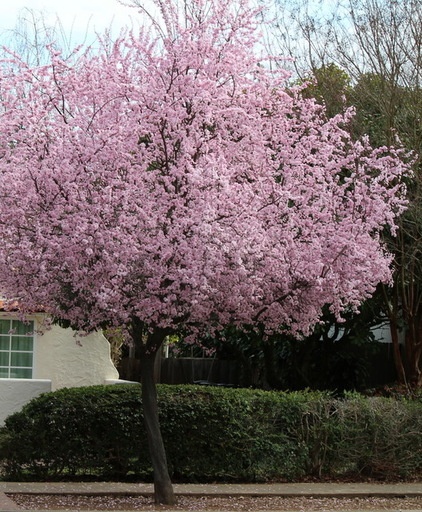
(76, 16)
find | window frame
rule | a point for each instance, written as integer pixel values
(13, 370)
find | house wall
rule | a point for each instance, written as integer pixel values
(71, 361)
(15, 393)
(60, 360)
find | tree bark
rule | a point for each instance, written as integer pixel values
(398, 362)
(413, 348)
(163, 488)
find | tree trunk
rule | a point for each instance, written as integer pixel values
(272, 378)
(163, 489)
(413, 347)
(398, 362)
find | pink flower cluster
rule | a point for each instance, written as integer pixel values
(176, 179)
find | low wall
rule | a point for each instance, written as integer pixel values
(15, 393)
(69, 361)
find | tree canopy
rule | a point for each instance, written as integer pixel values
(172, 179)
(143, 181)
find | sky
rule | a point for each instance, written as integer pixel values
(78, 17)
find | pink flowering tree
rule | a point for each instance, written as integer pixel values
(172, 180)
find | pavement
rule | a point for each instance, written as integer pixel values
(320, 490)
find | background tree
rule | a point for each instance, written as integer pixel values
(377, 43)
(171, 181)
(330, 86)
(32, 35)
(335, 356)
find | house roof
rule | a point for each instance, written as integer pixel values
(15, 306)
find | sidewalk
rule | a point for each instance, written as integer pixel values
(284, 489)
(320, 490)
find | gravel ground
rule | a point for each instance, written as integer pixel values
(247, 503)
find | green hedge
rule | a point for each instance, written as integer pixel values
(213, 434)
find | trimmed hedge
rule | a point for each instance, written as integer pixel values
(213, 434)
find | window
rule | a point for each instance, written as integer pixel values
(16, 349)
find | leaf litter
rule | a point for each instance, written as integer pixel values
(215, 503)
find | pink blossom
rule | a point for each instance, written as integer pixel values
(178, 180)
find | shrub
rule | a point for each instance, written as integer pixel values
(377, 437)
(93, 430)
(219, 433)
(212, 434)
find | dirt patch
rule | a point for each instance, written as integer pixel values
(191, 503)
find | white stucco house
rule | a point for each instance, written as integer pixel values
(34, 360)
